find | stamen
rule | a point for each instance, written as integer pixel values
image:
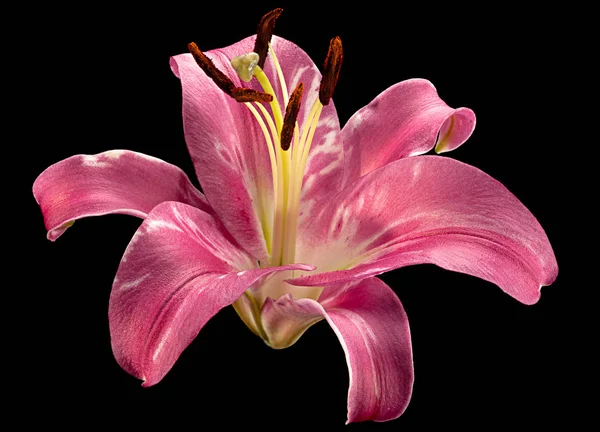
(331, 70)
(291, 114)
(244, 65)
(223, 81)
(249, 95)
(264, 33)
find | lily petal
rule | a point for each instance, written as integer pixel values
(115, 181)
(229, 150)
(430, 209)
(404, 120)
(372, 327)
(180, 268)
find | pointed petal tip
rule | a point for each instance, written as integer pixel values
(534, 299)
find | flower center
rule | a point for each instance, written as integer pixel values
(288, 145)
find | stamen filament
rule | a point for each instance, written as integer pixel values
(271, 124)
(266, 85)
(283, 165)
(281, 199)
(267, 229)
(300, 159)
(286, 98)
(282, 83)
(279, 213)
(306, 146)
(280, 236)
(309, 120)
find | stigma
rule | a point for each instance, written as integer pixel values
(244, 65)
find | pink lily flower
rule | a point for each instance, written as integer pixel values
(297, 217)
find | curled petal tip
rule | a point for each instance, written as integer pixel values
(455, 130)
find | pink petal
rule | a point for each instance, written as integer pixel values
(430, 209)
(116, 181)
(372, 327)
(178, 271)
(229, 150)
(403, 121)
(227, 147)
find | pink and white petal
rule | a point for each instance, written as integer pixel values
(180, 268)
(228, 149)
(429, 209)
(372, 327)
(115, 181)
(404, 120)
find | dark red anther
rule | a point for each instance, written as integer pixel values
(291, 114)
(264, 34)
(331, 70)
(249, 95)
(211, 70)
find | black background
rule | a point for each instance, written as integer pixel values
(98, 78)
